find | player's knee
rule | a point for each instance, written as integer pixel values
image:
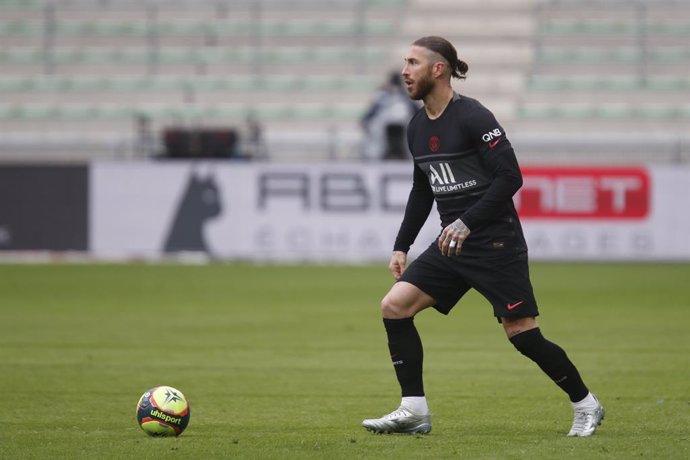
(528, 342)
(515, 326)
(391, 309)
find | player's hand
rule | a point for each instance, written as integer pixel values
(398, 264)
(452, 237)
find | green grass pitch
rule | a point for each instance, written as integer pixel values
(285, 361)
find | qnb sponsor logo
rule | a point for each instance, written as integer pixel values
(491, 135)
(577, 193)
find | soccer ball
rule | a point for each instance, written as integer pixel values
(163, 411)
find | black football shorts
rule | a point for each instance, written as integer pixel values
(502, 279)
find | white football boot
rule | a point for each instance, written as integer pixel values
(587, 419)
(400, 420)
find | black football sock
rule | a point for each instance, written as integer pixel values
(407, 354)
(553, 361)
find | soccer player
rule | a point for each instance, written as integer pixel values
(463, 161)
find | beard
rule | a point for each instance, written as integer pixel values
(424, 87)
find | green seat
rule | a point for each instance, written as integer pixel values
(668, 84)
(116, 29)
(23, 4)
(580, 27)
(237, 83)
(584, 83)
(575, 112)
(20, 28)
(219, 29)
(384, 3)
(631, 27)
(604, 111)
(591, 54)
(190, 56)
(670, 54)
(92, 112)
(588, 54)
(684, 112)
(612, 112)
(657, 112)
(536, 112)
(668, 28)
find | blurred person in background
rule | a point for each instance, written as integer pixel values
(253, 143)
(464, 162)
(385, 121)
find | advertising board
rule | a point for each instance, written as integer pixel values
(350, 212)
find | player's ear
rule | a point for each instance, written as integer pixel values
(438, 69)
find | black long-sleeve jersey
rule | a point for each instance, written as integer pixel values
(464, 161)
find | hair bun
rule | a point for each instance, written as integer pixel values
(462, 67)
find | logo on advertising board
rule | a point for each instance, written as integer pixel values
(584, 193)
(200, 203)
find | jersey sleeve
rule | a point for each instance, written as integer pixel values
(498, 157)
(419, 205)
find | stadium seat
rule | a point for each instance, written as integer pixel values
(596, 27)
(620, 111)
(608, 83)
(184, 55)
(613, 63)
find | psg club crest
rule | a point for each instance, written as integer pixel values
(434, 143)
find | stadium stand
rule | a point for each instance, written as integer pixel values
(611, 62)
(611, 79)
(79, 75)
(75, 70)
